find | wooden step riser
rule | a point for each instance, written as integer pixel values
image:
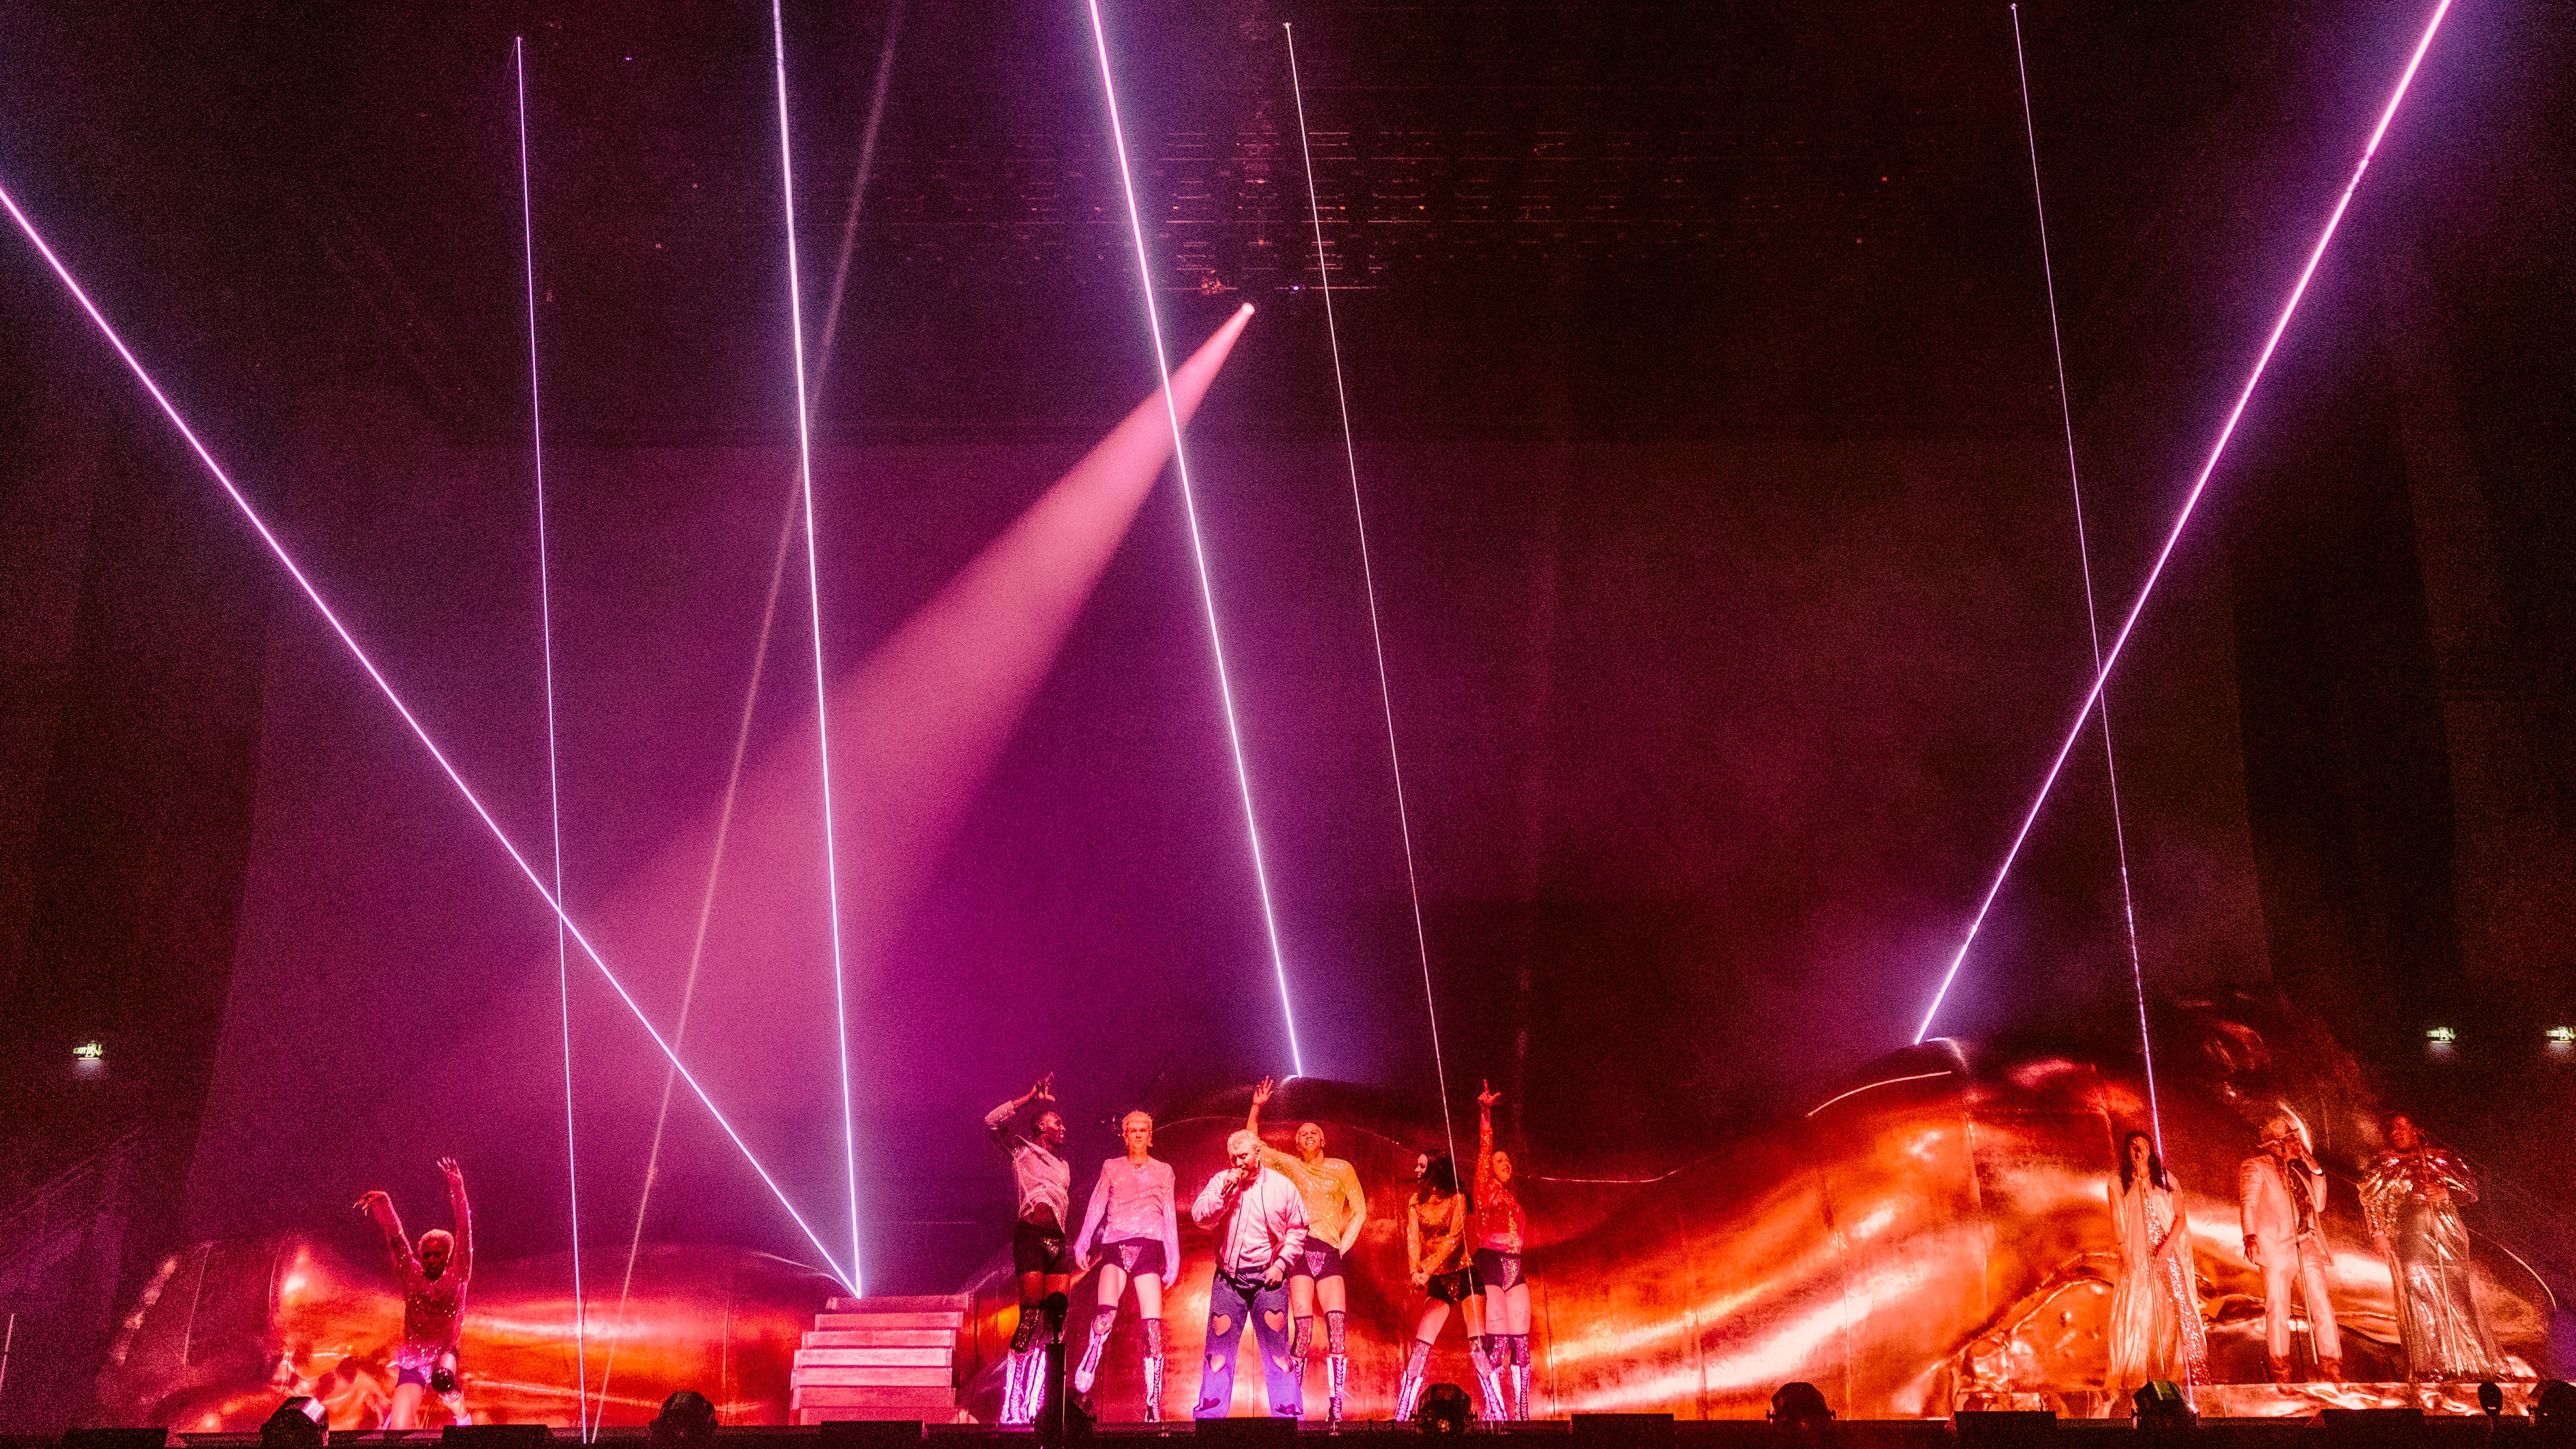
(883, 1338)
(829, 1321)
(926, 1303)
(883, 1357)
(918, 1399)
(934, 1414)
(838, 1377)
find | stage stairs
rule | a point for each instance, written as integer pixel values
(880, 1358)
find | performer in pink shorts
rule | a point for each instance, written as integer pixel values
(433, 1287)
(1134, 1235)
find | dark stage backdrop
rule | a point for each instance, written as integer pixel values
(1711, 747)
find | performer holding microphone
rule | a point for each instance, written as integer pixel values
(1260, 1228)
(433, 1289)
(2281, 1197)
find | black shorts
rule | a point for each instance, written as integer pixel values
(1455, 1286)
(1316, 1260)
(1499, 1270)
(1039, 1250)
(1136, 1257)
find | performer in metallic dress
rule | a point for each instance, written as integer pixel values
(1132, 1234)
(2281, 1199)
(1336, 1210)
(2156, 1330)
(433, 1288)
(1502, 1231)
(2410, 1196)
(1435, 1258)
(1039, 1255)
(1260, 1225)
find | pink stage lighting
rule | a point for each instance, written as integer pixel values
(2182, 519)
(1198, 545)
(312, 595)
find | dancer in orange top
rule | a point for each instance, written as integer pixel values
(1336, 1210)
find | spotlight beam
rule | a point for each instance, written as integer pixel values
(2182, 519)
(814, 594)
(313, 595)
(1198, 544)
(2092, 613)
(1368, 583)
(554, 785)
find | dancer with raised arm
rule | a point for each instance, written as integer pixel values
(2156, 1330)
(1039, 1255)
(2410, 1196)
(1131, 1231)
(433, 1283)
(1336, 1210)
(2281, 1201)
(1501, 1234)
(1435, 1258)
(1260, 1227)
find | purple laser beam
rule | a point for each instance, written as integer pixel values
(2191, 501)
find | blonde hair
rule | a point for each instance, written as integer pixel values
(1132, 1116)
(1244, 1140)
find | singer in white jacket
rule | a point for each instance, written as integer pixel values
(2281, 1200)
(1260, 1225)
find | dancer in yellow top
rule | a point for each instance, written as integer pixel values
(1336, 1210)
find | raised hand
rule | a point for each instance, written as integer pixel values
(1042, 1090)
(455, 1174)
(369, 1200)
(1261, 1095)
(1488, 1097)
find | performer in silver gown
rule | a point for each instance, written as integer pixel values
(2410, 1196)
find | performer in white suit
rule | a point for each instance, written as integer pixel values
(2281, 1199)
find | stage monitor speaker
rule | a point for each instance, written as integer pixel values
(871, 1434)
(1266, 1432)
(2003, 1428)
(116, 1439)
(299, 1423)
(497, 1436)
(1444, 1410)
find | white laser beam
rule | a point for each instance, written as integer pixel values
(2092, 615)
(1198, 545)
(313, 595)
(1368, 582)
(554, 785)
(814, 592)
